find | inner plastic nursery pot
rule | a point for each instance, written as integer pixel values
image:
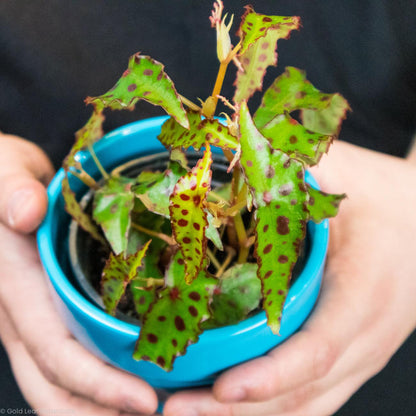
(113, 339)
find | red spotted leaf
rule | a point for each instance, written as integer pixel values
(286, 134)
(86, 136)
(174, 320)
(113, 203)
(259, 34)
(289, 92)
(155, 188)
(188, 216)
(322, 205)
(327, 120)
(201, 131)
(144, 79)
(238, 293)
(117, 274)
(74, 209)
(279, 194)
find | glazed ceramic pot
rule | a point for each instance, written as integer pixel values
(112, 339)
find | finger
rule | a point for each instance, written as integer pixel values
(62, 360)
(39, 392)
(24, 171)
(307, 356)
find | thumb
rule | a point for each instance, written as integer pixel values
(25, 171)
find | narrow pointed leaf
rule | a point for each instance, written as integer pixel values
(113, 204)
(74, 209)
(322, 205)
(201, 131)
(155, 188)
(259, 34)
(144, 79)
(188, 216)
(327, 120)
(86, 136)
(238, 293)
(280, 200)
(174, 320)
(289, 92)
(117, 274)
(286, 134)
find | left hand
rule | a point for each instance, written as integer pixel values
(365, 311)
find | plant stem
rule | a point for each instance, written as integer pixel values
(218, 83)
(213, 259)
(190, 104)
(152, 233)
(242, 239)
(98, 163)
(230, 256)
(85, 178)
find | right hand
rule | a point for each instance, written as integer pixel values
(52, 369)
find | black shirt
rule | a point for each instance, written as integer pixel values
(55, 52)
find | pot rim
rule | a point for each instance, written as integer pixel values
(64, 288)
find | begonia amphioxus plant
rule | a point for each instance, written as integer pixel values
(191, 256)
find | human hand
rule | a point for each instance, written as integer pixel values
(366, 307)
(51, 368)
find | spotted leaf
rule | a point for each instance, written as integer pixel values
(155, 188)
(238, 293)
(259, 35)
(201, 131)
(113, 203)
(74, 209)
(279, 193)
(117, 274)
(188, 216)
(144, 79)
(322, 205)
(327, 120)
(86, 136)
(174, 320)
(286, 134)
(289, 92)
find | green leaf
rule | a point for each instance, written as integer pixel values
(201, 131)
(188, 216)
(113, 204)
(212, 232)
(145, 79)
(117, 274)
(286, 134)
(255, 26)
(322, 205)
(259, 35)
(143, 297)
(327, 120)
(74, 209)
(289, 92)
(174, 321)
(238, 294)
(155, 188)
(279, 193)
(86, 136)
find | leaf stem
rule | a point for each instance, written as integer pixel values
(230, 256)
(242, 238)
(213, 259)
(98, 163)
(152, 233)
(85, 178)
(190, 104)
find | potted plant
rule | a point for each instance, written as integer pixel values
(186, 250)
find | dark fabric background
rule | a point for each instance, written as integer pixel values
(55, 52)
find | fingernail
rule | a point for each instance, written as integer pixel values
(233, 395)
(21, 203)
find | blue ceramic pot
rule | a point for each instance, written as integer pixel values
(113, 340)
